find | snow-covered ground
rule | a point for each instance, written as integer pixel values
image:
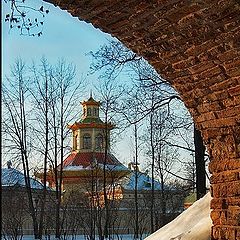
(81, 237)
(193, 224)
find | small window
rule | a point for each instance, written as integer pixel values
(89, 112)
(87, 143)
(99, 141)
(95, 112)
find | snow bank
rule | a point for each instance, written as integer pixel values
(194, 223)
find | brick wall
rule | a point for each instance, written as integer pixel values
(195, 45)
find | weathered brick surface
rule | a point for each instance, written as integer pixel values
(226, 189)
(224, 203)
(223, 165)
(195, 46)
(229, 232)
(227, 176)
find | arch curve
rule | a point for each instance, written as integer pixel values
(195, 46)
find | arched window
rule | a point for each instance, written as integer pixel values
(87, 143)
(89, 112)
(99, 141)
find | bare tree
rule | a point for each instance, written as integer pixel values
(131, 111)
(25, 17)
(110, 96)
(40, 93)
(14, 213)
(64, 92)
(37, 110)
(116, 59)
(16, 126)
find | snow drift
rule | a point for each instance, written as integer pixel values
(193, 224)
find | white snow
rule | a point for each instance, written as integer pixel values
(99, 165)
(144, 182)
(112, 167)
(12, 177)
(193, 224)
(72, 168)
(81, 237)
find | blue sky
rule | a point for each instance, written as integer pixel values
(63, 36)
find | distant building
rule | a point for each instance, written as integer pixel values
(90, 166)
(16, 219)
(90, 155)
(13, 178)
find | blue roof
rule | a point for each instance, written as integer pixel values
(12, 177)
(144, 182)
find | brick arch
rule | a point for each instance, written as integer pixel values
(195, 45)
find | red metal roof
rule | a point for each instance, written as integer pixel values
(86, 159)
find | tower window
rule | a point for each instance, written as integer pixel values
(99, 141)
(89, 112)
(95, 112)
(87, 144)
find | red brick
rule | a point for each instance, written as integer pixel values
(234, 91)
(229, 112)
(205, 117)
(185, 63)
(201, 67)
(228, 36)
(231, 101)
(196, 50)
(178, 13)
(209, 106)
(224, 190)
(216, 95)
(215, 216)
(208, 73)
(233, 63)
(228, 55)
(224, 165)
(226, 176)
(224, 83)
(218, 203)
(216, 50)
(233, 72)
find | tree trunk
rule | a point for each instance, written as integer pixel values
(136, 233)
(200, 164)
(43, 199)
(106, 205)
(152, 174)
